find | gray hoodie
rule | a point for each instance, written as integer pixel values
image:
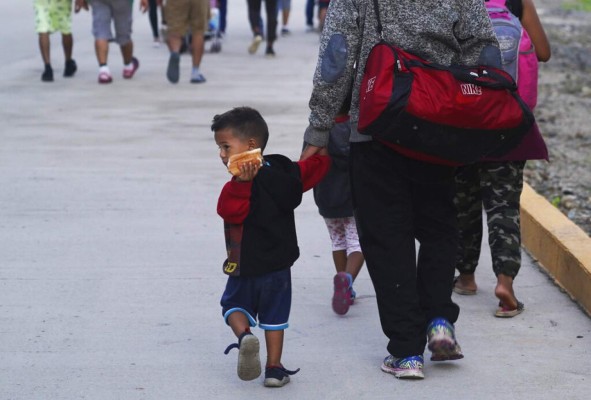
(442, 31)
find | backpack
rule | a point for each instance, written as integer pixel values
(517, 50)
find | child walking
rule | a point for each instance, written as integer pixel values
(257, 207)
(52, 16)
(334, 201)
(495, 185)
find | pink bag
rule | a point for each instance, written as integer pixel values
(519, 60)
(519, 56)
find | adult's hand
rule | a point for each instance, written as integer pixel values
(80, 4)
(310, 150)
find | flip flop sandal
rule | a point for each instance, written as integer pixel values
(503, 312)
(463, 292)
(104, 77)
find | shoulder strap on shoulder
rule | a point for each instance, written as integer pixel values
(516, 7)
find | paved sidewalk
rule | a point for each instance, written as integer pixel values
(111, 249)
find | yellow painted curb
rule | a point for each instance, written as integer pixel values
(559, 245)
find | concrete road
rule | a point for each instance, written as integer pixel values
(111, 249)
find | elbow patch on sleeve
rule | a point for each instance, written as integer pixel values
(334, 58)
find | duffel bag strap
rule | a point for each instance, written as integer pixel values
(377, 11)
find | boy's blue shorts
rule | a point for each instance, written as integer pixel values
(266, 297)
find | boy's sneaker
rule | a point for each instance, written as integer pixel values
(342, 297)
(254, 46)
(442, 341)
(128, 72)
(70, 68)
(404, 368)
(172, 72)
(249, 362)
(47, 75)
(277, 376)
(285, 31)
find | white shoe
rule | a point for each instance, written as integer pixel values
(254, 46)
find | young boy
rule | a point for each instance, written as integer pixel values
(52, 16)
(257, 207)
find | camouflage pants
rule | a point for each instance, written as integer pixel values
(497, 187)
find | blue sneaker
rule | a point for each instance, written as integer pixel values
(249, 361)
(197, 77)
(404, 368)
(277, 376)
(442, 341)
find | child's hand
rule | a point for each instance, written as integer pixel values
(248, 171)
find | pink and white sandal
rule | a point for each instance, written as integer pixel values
(105, 77)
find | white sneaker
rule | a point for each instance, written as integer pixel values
(254, 46)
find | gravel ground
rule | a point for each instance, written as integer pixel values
(564, 114)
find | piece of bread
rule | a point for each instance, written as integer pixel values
(236, 160)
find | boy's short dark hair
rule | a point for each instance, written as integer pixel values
(245, 122)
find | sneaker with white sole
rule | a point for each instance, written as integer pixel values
(277, 376)
(249, 361)
(441, 338)
(404, 367)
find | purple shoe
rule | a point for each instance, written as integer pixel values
(341, 299)
(128, 73)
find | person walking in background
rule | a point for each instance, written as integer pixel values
(153, 7)
(55, 16)
(398, 200)
(310, 15)
(285, 7)
(223, 6)
(322, 10)
(496, 185)
(254, 18)
(257, 206)
(333, 198)
(118, 12)
(182, 16)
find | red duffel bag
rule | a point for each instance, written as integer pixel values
(443, 114)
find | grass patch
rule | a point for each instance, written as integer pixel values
(580, 5)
